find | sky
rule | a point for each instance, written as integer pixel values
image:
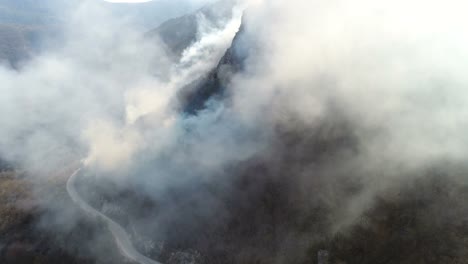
(128, 1)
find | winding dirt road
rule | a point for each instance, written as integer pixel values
(120, 235)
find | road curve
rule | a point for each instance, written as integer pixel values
(120, 235)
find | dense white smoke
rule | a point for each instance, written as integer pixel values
(88, 95)
(394, 70)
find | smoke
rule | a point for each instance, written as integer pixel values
(390, 66)
(338, 102)
(393, 71)
(88, 93)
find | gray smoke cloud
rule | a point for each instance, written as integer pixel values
(393, 70)
(389, 76)
(87, 94)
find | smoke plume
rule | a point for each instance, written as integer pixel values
(335, 104)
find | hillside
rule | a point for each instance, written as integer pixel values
(25, 23)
